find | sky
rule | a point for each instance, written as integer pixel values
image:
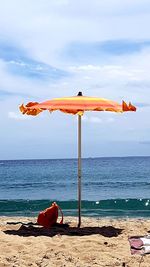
(56, 48)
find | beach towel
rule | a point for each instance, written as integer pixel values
(49, 216)
(140, 244)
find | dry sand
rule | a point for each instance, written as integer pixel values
(99, 242)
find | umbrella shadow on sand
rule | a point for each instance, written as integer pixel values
(65, 229)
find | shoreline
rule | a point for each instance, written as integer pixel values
(99, 242)
(97, 218)
(104, 208)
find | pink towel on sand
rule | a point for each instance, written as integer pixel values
(139, 244)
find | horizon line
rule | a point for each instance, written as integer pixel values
(76, 158)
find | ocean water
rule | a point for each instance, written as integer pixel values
(110, 186)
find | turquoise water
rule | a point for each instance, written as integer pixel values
(110, 186)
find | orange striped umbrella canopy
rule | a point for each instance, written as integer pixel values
(76, 105)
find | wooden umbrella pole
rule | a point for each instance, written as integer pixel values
(79, 170)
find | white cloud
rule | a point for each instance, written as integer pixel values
(92, 119)
(53, 24)
(95, 120)
(17, 116)
(43, 29)
(110, 119)
(98, 120)
(109, 71)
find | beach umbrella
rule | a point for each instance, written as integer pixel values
(76, 105)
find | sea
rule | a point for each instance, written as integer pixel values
(111, 187)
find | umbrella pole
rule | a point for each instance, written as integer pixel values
(79, 170)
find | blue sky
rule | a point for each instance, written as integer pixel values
(56, 48)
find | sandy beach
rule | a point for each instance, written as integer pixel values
(99, 242)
